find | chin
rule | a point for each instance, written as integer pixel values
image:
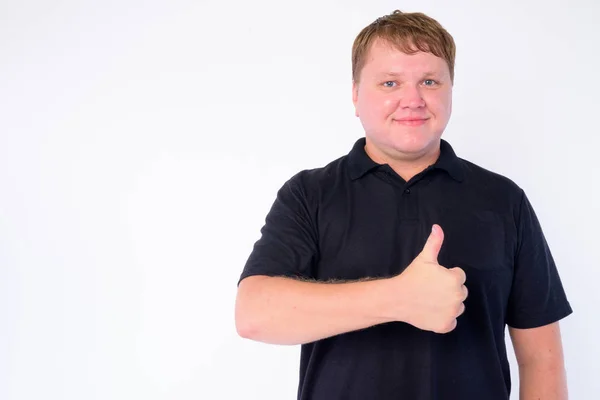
(413, 144)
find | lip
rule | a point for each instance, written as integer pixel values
(411, 121)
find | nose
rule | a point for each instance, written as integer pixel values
(410, 97)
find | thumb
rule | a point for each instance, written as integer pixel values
(433, 245)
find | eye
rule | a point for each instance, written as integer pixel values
(429, 82)
(389, 84)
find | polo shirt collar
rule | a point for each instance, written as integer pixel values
(359, 163)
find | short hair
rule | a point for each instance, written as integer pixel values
(407, 32)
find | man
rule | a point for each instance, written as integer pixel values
(398, 266)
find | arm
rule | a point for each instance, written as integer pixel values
(541, 363)
(287, 311)
(274, 307)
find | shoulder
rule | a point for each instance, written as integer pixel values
(313, 181)
(490, 182)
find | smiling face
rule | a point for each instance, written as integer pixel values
(404, 103)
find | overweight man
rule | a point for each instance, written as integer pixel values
(398, 266)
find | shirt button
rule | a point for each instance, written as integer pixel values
(407, 191)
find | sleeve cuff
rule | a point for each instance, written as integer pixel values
(541, 320)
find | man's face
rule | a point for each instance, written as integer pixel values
(403, 101)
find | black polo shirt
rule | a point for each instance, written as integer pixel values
(354, 218)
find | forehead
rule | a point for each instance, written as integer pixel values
(384, 57)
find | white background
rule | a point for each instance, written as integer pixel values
(142, 144)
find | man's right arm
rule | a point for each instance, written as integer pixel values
(281, 310)
(287, 311)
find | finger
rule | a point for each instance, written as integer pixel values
(460, 275)
(450, 327)
(465, 292)
(433, 245)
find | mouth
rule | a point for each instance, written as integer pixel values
(411, 121)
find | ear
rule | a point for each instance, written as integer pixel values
(355, 96)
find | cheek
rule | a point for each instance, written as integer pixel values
(388, 105)
(376, 105)
(441, 106)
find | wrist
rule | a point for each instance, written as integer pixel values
(388, 306)
(400, 299)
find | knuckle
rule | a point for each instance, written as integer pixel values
(457, 310)
(449, 327)
(459, 297)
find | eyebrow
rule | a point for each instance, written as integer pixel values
(400, 74)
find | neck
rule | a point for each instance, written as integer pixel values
(405, 165)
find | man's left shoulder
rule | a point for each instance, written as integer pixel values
(486, 179)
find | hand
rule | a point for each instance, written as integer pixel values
(431, 296)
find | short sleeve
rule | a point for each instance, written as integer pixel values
(288, 244)
(537, 296)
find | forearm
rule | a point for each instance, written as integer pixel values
(542, 381)
(287, 311)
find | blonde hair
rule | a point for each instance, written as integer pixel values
(407, 32)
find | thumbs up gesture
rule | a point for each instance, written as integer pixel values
(431, 296)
